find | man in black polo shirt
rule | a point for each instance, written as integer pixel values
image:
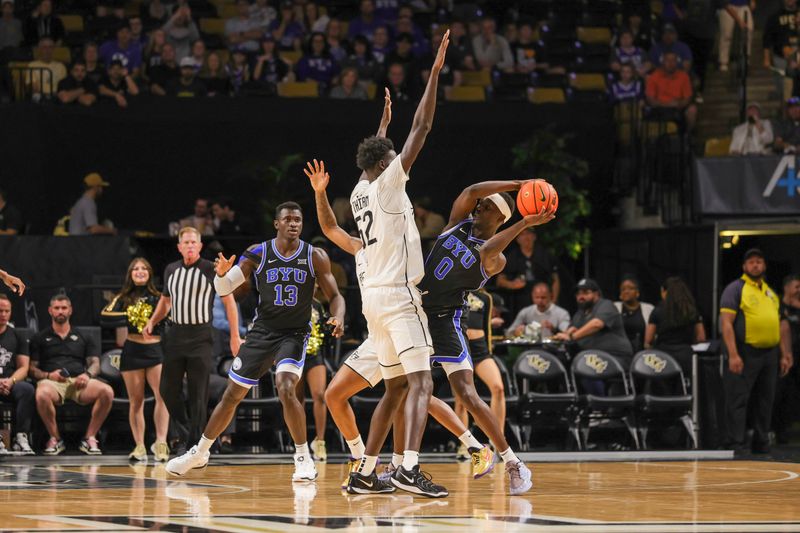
(65, 363)
(77, 88)
(14, 363)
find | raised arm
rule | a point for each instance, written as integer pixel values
(468, 199)
(327, 220)
(492, 257)
(423, 118)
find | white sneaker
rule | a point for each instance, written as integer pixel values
(188, 461)
(304, 469)
(3, 450)
(21, 444)
(319, 451)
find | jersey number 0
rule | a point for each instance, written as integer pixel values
(365, 238)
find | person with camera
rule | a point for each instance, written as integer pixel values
(754, 136)
(65, 364)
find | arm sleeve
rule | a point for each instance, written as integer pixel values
(737, 140)
(219, 318)
(766, 136)
(90, 214)
(23, 345)
(606, 312)
(112, 315)
(655, 316)
(507, 60)
(392, 187)
(477, 50)
(519, 320)
(731, 298)
(167, 272)
(563, 320)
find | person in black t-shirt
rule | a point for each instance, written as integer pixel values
(163, 73)
(635, 314)
(526, 265)
(450, 75)
(10, 217)
(14, 362)
(675, 324)
(787, 395)
(77, 88)
(118, 84)
(65, 363)
(226, 222)
(187, 85)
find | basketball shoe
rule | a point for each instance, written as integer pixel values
(304, 469)
(361, 484)
(416, 481)
(188, 461)
(482, 462)
(519, 478)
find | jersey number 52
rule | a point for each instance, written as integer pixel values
(365, 238)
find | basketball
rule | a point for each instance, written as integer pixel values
(535, 195)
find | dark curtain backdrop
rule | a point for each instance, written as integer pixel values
(159, 155)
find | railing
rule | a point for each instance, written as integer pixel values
(30, 83)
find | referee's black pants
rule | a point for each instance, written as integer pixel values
(755, 387)
(187, 351)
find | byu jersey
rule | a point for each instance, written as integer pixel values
(452, 268)
(385, 220)
(285, 287)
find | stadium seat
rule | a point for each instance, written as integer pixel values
(298, 89)
(371, 88)
(212, 26)
(228, 11)
(718, 147)
(72, 23)
(594, 35)
(479, 78)
(466, 94)
(546, 95)
(664, 397)
(292, 56)
(588, 82)
(654, 129)
(60, 53)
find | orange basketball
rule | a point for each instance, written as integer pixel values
(535, 195)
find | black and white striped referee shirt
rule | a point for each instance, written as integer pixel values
(191, 291)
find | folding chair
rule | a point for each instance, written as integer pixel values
(666, 396)
(467, 93)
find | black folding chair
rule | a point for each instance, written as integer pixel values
(545, 394)
(615, 405)
(663, 395)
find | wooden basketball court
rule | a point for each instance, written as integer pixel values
(227, 497)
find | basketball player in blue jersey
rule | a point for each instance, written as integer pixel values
(464, 257)
(285, 270)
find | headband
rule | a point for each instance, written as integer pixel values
(501, 204)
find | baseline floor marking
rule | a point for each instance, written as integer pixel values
(789, 476)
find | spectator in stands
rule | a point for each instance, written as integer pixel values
(154, 13)
(788, 386)
(429, 223)
(83, 215)
(163, 73)
(669, 92)
(634, 21)
(151, 56)
(526, 264)
(271, 69)
(242, 31)
(628, 53)
(734, 13)
(528, 55)
(751, 332)
(77, 88)
(419, 43)
(186, 85)
(492, 51)
(781, 42)
(14, 367)
(362, 60)
(635, 314)
(137, 30)
(11, 222)
(262, 14)
(95, 70)
(381, 44)
(461, 42)
(216, 382)
(182, 31)
(141, 359)
(754, 136)
(214, 76)
(597, 325)
(403, 54)
(349, 88)
(543, 311)
(391, 10)
(787, 134)
(110, 8)
(288, 31)
(366, 23)
(41, 83)
(337, 43)
(198, 54)
(65, 363)
(317, 63)
(11, 35)
(226, 222)
(124, 50)
(313, 20)
(669, 43)
(510, 32)
(201, 220)
(675, 324)
(628, 87)
(43, 23)
(238, 70)
(450, 76)
(397, 83)
(118, 84)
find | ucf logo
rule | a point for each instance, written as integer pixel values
(540, 364)
(474, 303)
(114, 359)
(655, 362)
(594, 362)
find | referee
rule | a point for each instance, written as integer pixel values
(751, 331)
(188, 298)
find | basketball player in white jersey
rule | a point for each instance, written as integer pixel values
(391, 301)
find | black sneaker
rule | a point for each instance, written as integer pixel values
(361, 484)
(418, 482)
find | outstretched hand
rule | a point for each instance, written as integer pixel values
(338, 327)
(13, 283)
(438, 63)
(316, 172)
(222, 265)
(387, 107)
(542, 217)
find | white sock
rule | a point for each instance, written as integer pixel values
(410, 459)
(469, 440)
(397, 460)
(509, 456)
(302, 449)
(367, 465)
(205, 444)
(356, 447)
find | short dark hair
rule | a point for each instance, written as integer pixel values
(222, 201)
(790, 278)
(291, 206)
(77, 62)
(510, 201)
(60, 297)
(4, 296)
(372, 150)
(633, 279)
